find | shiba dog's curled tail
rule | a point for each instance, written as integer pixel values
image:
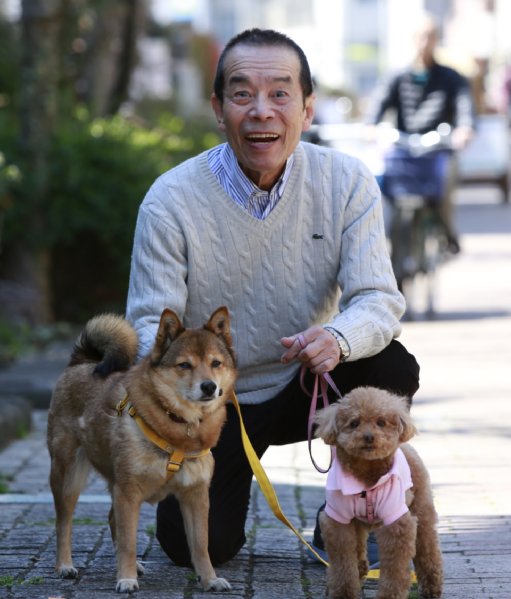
(109, 340)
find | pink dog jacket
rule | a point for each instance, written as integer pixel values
(348, 498)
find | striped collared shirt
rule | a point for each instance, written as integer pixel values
(259, 203)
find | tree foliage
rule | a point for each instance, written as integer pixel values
(99, 167)
(100, 171)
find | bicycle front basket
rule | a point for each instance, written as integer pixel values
(405, 174)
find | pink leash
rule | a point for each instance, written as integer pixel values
(320, 381)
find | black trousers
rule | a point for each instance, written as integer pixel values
(278, 421)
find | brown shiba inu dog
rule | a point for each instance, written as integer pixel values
(147, 428)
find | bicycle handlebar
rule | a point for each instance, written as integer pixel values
(418, 144)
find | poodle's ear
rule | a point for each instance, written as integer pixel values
(326, 421)
(406, 426)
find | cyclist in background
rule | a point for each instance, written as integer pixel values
(425, 95)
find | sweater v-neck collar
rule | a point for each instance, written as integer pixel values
(241, 214)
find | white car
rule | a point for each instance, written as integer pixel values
(487, 158)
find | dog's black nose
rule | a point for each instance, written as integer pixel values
(368, 438)
(208, 388)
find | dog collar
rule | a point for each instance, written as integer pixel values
(176, 455)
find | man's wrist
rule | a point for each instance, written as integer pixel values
(344, 346)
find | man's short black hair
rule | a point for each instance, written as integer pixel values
(263, 37)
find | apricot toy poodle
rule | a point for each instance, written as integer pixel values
(379, 482)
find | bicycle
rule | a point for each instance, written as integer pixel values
(415, 172)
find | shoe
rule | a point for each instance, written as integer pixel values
(319, 546)
(317, 540)
(372, 552)
(321, 552)
(453, 245)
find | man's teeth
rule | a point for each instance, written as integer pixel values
(262, 137)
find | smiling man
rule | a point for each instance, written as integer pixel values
(289, 236)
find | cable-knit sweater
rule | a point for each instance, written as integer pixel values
(319, 257)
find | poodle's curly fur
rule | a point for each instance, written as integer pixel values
(366, 427)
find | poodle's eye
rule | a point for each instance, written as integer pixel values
(354, 423)
(380, 422)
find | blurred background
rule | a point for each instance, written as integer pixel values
(98, 97)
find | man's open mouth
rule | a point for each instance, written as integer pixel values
(262, 137)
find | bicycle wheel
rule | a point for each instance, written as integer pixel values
(430, 257)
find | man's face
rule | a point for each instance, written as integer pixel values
(425, 39)
(263, 112)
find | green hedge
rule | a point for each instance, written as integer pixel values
(99, 173)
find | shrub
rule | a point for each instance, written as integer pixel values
(100, 170)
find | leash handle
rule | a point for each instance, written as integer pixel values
(321, 381)
(265, 484)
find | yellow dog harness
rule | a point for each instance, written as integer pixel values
(176, 455)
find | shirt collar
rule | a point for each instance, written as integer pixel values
(245, 185)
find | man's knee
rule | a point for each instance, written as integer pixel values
(224, 541)
(393, 369)
(223, 546)
(398, 370)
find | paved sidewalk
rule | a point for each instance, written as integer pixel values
(463, 412)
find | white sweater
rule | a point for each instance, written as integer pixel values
(195, 249)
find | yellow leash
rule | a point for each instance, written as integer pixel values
(265, 484)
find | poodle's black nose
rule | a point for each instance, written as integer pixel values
(368, 437)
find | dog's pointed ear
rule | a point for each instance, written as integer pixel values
(326, 421)
(220, 324)
(407, 428)
(169, 328)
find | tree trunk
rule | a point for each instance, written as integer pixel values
(112, 54)
(30, 261)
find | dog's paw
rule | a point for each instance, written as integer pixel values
(140, 569)
(67, 572)
(217, 584)
(126, 585)
(430, 592)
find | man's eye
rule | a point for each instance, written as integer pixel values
(241, 95)
(280, 94)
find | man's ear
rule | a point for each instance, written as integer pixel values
(219, 112)
(309, 112)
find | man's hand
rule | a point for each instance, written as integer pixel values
(461, 137)
(315, 347)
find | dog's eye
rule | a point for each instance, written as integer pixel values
(216, 364)
(184, 365)
(380, 422)
(354, 423)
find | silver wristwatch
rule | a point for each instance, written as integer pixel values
(341, 340)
